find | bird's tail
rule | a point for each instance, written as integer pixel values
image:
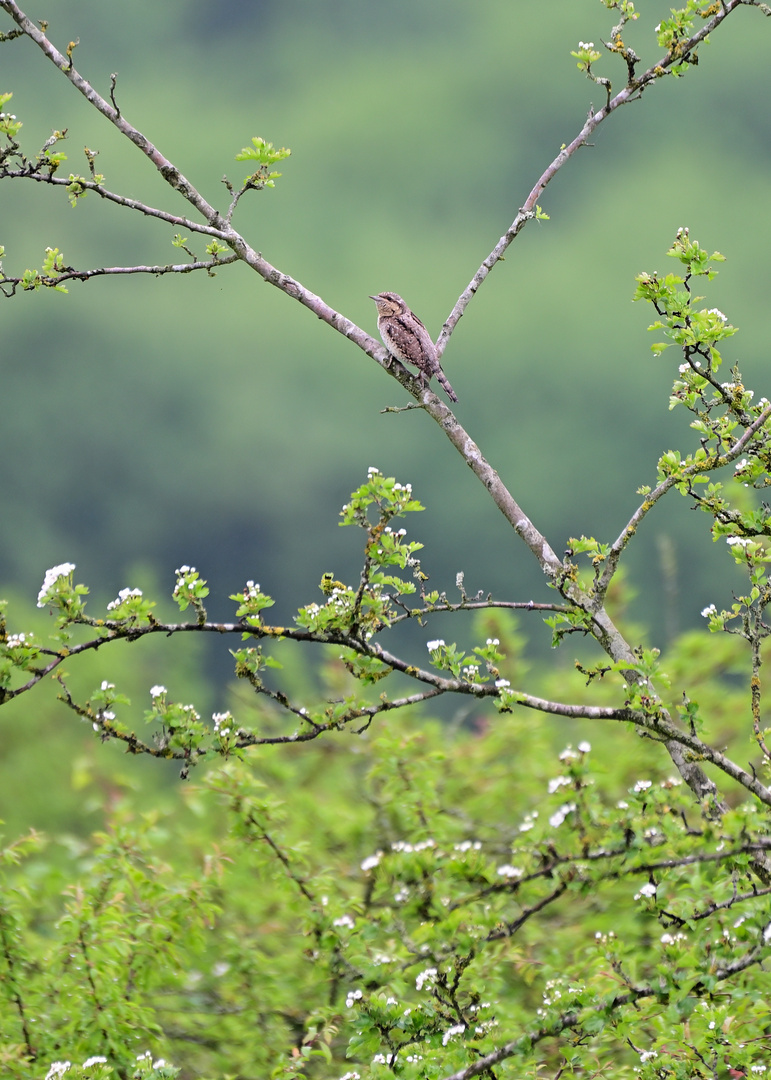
(444, 382)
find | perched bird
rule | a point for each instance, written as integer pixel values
(406, 338)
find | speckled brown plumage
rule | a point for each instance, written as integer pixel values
(406, 338)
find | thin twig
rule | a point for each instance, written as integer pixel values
(106, 271)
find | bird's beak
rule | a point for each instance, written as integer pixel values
(375, 298)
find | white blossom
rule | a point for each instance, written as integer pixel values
(406, 846)
(58, 1068)
(557, 782)
(529, 822)
(157, 691)
(52, 576)
(672, 939)
(468, 845)
(424, 977)
(371, 861)
(433, 645)
(220, 719)
(509, 871)
(344, 920)
(122, 597)
(456, 1029)
(648, 889)
(557, 818)
(96, 1060)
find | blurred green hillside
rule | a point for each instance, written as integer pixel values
(147, 423)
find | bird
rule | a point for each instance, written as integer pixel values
(406, 338)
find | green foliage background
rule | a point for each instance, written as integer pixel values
(177, 927)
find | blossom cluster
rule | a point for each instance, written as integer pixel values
(122, 597)
(52, 576)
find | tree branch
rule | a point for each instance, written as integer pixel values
(71, 274)
(574, 1017)
(111, 196)
(631, 92)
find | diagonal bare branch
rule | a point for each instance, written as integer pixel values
(176, 220)
(630, 92)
